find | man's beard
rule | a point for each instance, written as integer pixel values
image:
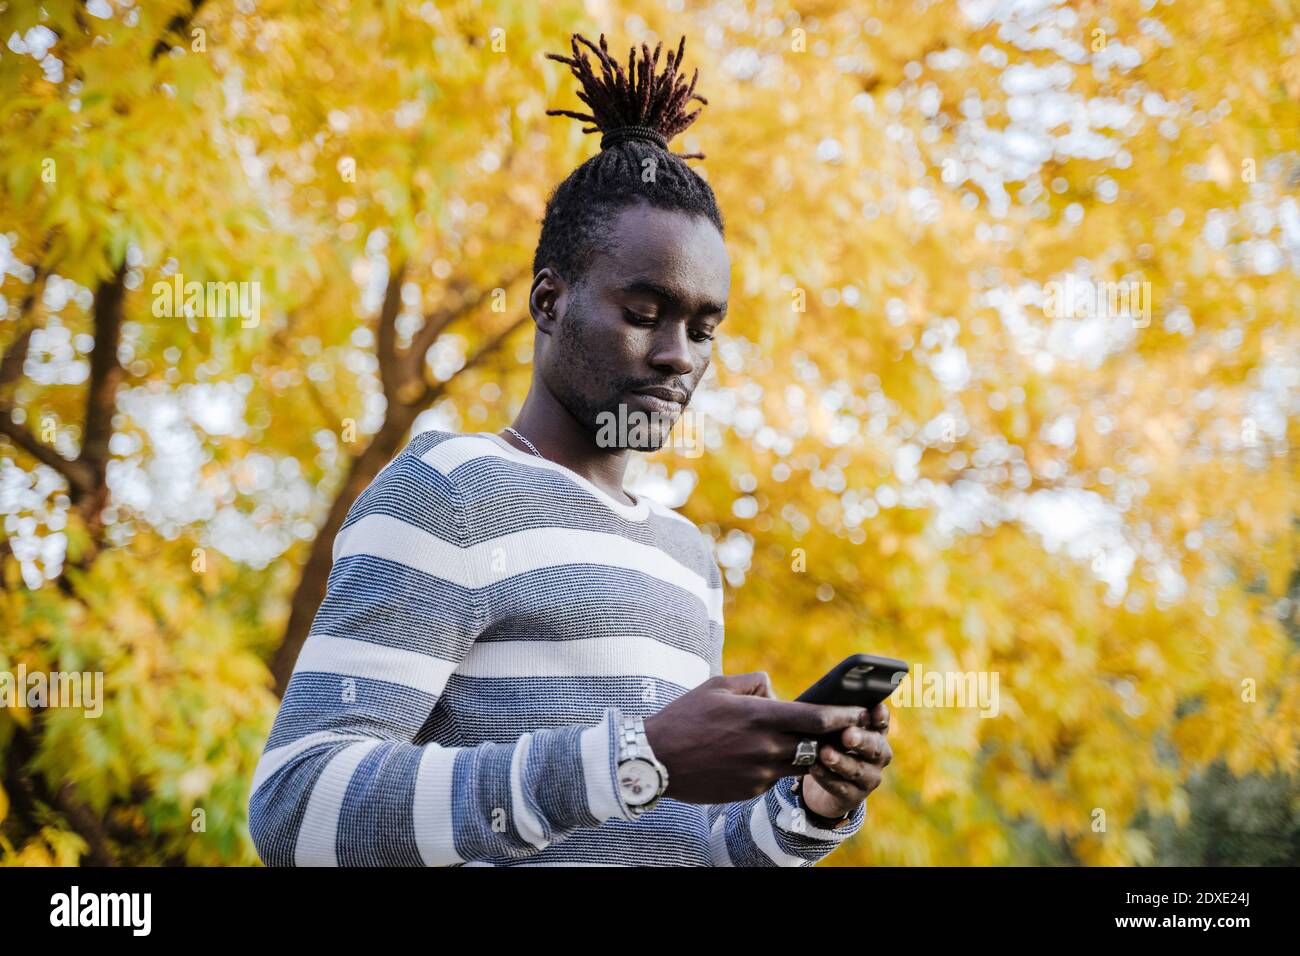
(609, 427)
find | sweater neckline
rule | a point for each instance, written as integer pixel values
(635, 512)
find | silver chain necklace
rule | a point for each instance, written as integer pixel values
(538, 453)
(525, 441)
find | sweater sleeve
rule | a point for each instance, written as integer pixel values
(341, 781)
(770, 829)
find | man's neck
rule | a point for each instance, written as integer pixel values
(564, 440)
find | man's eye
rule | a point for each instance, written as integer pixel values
(636, 318)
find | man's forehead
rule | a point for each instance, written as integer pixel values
(672, 254)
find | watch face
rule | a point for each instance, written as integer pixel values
(638, 780)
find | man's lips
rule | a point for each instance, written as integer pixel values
(661, 392)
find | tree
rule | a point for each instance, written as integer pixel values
(949, 421)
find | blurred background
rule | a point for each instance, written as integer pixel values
(1009, 385)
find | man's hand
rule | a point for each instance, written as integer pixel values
(730, 739)
(845, 774)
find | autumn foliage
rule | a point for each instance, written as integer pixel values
(932, 431)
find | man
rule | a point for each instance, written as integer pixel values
(518, 662)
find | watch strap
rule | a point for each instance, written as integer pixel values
(633, 745)
(816, 819)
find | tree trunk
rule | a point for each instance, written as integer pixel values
(315, 573)
(407, 394)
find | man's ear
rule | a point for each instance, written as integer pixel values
(547, 300)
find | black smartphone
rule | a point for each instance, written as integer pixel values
(862, 680)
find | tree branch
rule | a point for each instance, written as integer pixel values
(11, 365)
(176, 25)
(87, 475)
(331, 417)
(437, 321)
(20, 752)
(78, 477)
(390, 366)
(312, 580)
(434, 389)
(105, 376)
(23, 783)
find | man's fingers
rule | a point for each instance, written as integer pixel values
(878, 718)
(781, 751)
(813, 720)
(843, 765)
(871, 745)
(754, 684)
(835, 785)
(851, 780)
(849, 768)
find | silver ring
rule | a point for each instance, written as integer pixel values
(805, 754)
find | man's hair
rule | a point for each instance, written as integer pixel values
(578, 214)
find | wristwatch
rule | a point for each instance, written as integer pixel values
(642, 779)
(821, 822)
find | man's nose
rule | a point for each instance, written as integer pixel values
(672, 349)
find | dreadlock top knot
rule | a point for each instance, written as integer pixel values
(622, 133)
(639, 103)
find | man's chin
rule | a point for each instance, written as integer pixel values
(636, 427)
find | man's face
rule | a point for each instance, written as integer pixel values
(643, 318)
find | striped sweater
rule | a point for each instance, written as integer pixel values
(488, 615)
